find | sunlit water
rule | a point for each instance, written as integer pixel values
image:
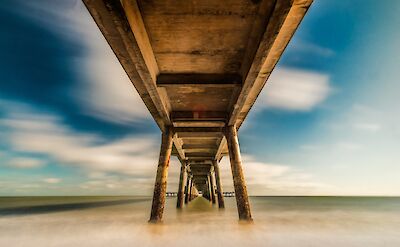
(122, 221)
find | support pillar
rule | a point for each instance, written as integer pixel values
(212, 182)
(190, 189)
(242, 199)
(220, 195)
(160, 186)
(182, 178)
(209, 187)
(187, 189)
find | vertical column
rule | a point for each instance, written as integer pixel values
(212, 181)
(190, 189)
(242, 199)
(187, 189)
(160, 186)
(220, 196)
(182, 178)
(209, 187)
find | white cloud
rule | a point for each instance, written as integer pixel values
(105, 90)
(52, 180)
(310, 147)
(26, 163)
(301, 46)
(370, 127)
(295, 90)
(273, 179)
(350, 146)
(109, 93)
(130, 155)
(128, 165)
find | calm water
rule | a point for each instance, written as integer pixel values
(122, 221)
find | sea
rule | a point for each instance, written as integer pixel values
(122, 221)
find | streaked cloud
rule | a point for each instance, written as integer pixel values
(274, 179)
(295, 90)
(127, 163)
(52, 180)
(105, 91)
(26, 163)
(350, 146)
(311, 48)
(370, 127)
(308, 147)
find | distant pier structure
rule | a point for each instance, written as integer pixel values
(199, 66)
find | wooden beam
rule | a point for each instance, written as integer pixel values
(222, 146)
(199, 135)
(202, 80)
(135, 20)
(178, 147)
(201, 150)
(197, 154)
(198, 129)
(198, 123)
(197, 145)
(199, 158)
(200, 115)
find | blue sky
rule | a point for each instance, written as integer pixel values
(326, 123)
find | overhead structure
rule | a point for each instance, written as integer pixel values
(199, 67)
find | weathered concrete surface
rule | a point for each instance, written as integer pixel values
(160, 186)
(212, 181)
(181, 186)
(242, 199)
(220, 196)
(188, 183)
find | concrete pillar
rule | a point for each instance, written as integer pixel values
(190, 189)
(182, 178)
(209, 187)
(160, 186)
(187, 189)
(242, 199)
(220, 196)
(212, 182)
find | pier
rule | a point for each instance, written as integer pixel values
(199, 67)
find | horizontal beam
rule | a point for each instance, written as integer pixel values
(197, 154)
(199, 135)
(203, 80)
(198, 123)
(198, 158)
(201, 150)
(195, 146)
(198, 129)
(201, 164)
(198, 115)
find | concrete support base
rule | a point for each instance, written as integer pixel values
(160, 186)
(181, 188)
(187, 190)
(212, 183)
(220, 196)
(242, 199)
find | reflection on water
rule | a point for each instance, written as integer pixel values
(122, 221)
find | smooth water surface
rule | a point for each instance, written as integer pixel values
(122, 221)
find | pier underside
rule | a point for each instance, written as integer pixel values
(199, 67)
